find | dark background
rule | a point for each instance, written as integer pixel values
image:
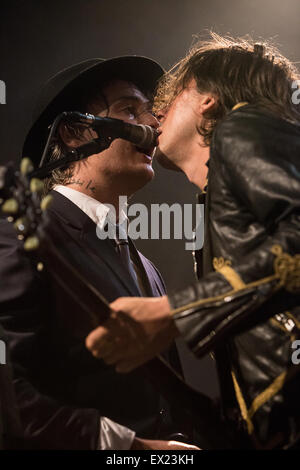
(38, 38)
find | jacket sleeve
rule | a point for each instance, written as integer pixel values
(264, 181)
(47, 423)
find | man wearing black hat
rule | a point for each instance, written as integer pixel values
(67, 398)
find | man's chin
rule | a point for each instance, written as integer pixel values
(143, 174)
(164, 161)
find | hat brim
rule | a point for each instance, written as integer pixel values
(142, 71)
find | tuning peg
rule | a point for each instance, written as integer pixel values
(26, 166)
(22, 225)
(10, 206)
(31, 243)
(40, 266)
(46, 202)
(36, 185)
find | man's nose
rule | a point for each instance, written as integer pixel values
(150, 120)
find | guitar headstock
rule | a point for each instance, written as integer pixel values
(22, 203)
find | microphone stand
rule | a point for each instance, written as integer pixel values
(84, 151)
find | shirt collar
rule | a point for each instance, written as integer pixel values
(97, 211)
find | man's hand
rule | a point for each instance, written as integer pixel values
(137, 330)
(149, 444)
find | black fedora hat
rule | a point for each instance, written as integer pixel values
(60, 93)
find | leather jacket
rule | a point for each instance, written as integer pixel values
(245, 307)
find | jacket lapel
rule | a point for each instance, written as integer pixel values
(83, 229)
(152, 282)
(105, 250)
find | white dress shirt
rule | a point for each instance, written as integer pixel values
(97, 211)
(113, 436)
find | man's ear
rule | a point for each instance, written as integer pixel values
(207, 103)
(68, 136)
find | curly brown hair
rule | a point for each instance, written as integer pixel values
(234, 70)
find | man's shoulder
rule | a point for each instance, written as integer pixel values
(250, 119)
(256, 128)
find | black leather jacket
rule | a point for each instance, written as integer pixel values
(245, 305)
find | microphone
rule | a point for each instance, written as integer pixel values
(143, 136)
(107, 129)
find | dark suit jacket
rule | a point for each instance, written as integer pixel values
(10, 426)
(62, 391)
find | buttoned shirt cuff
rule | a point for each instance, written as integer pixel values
(114, 436)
